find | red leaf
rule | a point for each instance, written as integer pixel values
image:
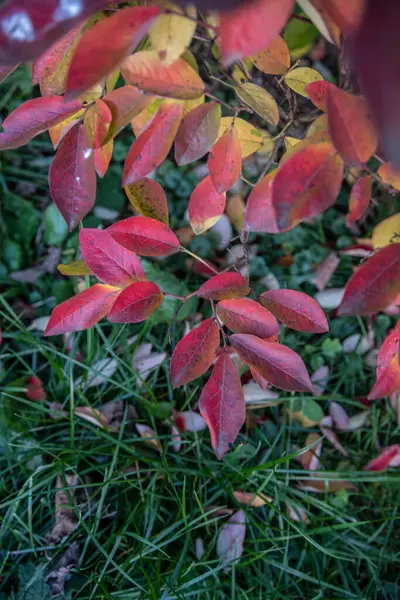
(307, 184)
(225, 161)
(350, 126)
(278, 364)
(34, 389)
(34, 117)
(136, 302)
(206, 206)
(247, 316)
(374, 285)
(388, 379)
(389, 348)
(222, 404)
(317, 92)
(49, 61)
(149, 199)
(224, 286)
(145, 236)
(296, 310)
(359, 199)
(97, 121)
(194, 354)
(72, 178)
(389, 457)
(152, 146)
(124, 103)
(375, 53)
(120, 33)
(30, 27)
(197, 133)
(260, 214)
(102, 158)
(146, 71)
(251, 27)
(345, 15)
(83, 310)
(108, 260)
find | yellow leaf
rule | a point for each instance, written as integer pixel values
(274, 60)
(172, 33)
(299, 78)
(235, 208)
(291, 142)
(319, 130)
(251, 139)
(191, 104)
(388, 231)
(260, 101)
(140, 121)
(79, 267)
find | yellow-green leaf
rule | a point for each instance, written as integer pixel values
(291, 142)
(251, 139)
(172, 33)
(388, 231)
(149, 199)
(299, 78)
(79, 267)
(259, 100)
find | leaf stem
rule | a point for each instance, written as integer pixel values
(196, 257)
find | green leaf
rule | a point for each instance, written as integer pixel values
(300, 37)
(55, 228)
(12, 254)
(32, 585)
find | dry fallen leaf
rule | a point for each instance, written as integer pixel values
(149, 436)
(65, 518)
(61, 572)
(231, 539)
(310, 458)
(251, 499)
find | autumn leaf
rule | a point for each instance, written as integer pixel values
(82, 311)
(109, 261)
(136, 302)
(251, 139)
(197, 133)
(225, 161)
(317, 92)
(259, 100)
(386, 232)
(278, 364)
(260, 214)
(125, 103)
(72, 177)
(251, 28)
(194, 354)
(152, 146)
(149, 199)
(97, 121)
(306, 184)
(247, 316)
(102, 158)
(380, 272)
(360, 198)
(34, 117)
(206, 206)
(172, 33)
(388, 379)
(222, 404)
(389, 457)
(34, 389)
(224, 286)
(389, 175)
(298, 79)
(122, 31)
(295, 310)
(350, 126)
(145, 236)
(76, 268)
(275, 59)
(147, 72)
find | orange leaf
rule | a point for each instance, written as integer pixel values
(278, 364)
(296, 310)
(82, 311)
(307, 184)
(206, 206)
(147, 72)
(247, 316)
(195, 353)
(152, 146)
(350, 126)
(225, 161)
(389, 175)
(97, 120)
(251, 27)
(222, 404)
(149, 199)
(359, 199)
(136, 302)
(197, 133)
(224, 286)
(121, 32)
(102, 158)
(275, 59)
(125, 103)
(145, 236)
(375, 284)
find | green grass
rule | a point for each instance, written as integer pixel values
(140, 512)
